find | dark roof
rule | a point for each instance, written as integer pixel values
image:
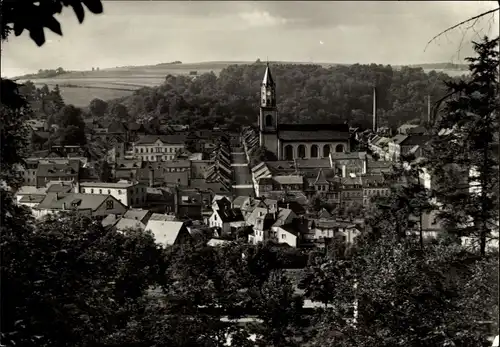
(170, 139)
(231, 215)
(135, 126)
(413, 140)
(117, 127)
(56, 169)
(59, 188)
(313, 132)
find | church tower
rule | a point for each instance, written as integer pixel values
(268, 117)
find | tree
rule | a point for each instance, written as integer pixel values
(78, 284)
(118, 112)
(34, 16)
(471, 114)
(405, 296)
(280, 311)
(104, 171)
(98, 108)
(71, 126)
(57, 98)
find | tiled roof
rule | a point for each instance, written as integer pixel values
(122, 185)
(313, 163)
(166, 139)
(125, 223)
(136, 214)
(289, 179)
(54, 201)
(321, 178)
(239, 201)
(230, 215)
(32, 198)
(347, 155)
(164, 231)
(57, 169)
(397, 139)
(413, 140)
(59, 188)
(312, 135)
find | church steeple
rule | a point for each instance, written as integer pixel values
(268, 89)
(268, 78)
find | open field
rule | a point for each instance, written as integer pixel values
(80, 87)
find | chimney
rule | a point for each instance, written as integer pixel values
(64, 206)
(151, 177)
(287, 206)
(344, 171)
(375, 120)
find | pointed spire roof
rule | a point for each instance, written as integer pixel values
(321, 178)
(268, 78)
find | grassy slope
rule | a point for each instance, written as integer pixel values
(80, 87)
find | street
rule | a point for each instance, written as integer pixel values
(241, 173)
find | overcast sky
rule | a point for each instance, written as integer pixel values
(151, 32)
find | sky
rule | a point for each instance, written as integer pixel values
(152, 32)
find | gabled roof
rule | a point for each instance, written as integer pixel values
(313, 132)
(59, 188)
(230, 215)
(289, 179)
(239, 201)
(59, 169)
(32, 198)
(125, 223)
(122, 185)
(165, 231)
(56, 201)
(348, 155)
(313, 163)
(321, 178)
(283, 215)
(136, 214)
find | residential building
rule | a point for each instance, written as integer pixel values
(158, 147)
(352, 192)
(166, 231)
(131, 194)
(227, 220)
(374, 186)
(48, 171)
(349, 163)
(88, 204)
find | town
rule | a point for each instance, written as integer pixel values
(184, 181)
(149, 198)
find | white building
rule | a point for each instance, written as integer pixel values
(158, 147)
(128, 193)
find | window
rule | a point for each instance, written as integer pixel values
(100, 191)
(288, 152)
(302, 151)
(339, 148)
(142, 150)
(283, 236)
(109, 205)
(326, 150)
(269, 120)
(119, 191)
(92, 191)
(109, 191)
(83, 189)
(314, 151)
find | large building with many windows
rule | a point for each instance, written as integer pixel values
(158, 147)
(293, 141)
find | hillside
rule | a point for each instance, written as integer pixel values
(80, 87)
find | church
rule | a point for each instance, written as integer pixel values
(296, 141)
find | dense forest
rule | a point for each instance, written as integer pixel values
(306, 93)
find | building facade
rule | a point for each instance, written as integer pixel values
(128, 193)
(294, 141)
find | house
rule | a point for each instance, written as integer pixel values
(127, 223)
(129, 193)
(289, 234)
(158, 147)
(166, 231)
(352, 192)
(264, 219)
(126, 169)
(348, 163)
(138, 214)
(378, 167)
(322, 230)
(48, 171)
(89, 204)
(380, 145)
(374, 186)
(221, 203)
(228, 220)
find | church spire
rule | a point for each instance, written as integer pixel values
(268, 78)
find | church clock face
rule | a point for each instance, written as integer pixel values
(268, 93)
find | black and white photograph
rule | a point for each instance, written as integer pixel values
(249, 173)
